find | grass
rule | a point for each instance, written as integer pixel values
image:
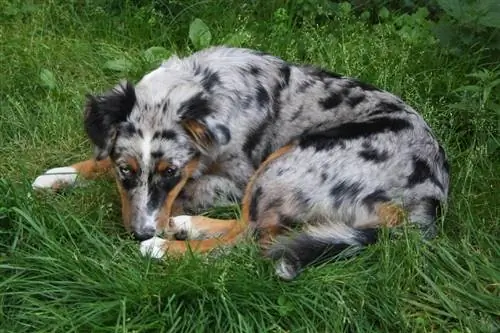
(66, 265)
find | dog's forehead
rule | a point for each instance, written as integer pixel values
(148, 145)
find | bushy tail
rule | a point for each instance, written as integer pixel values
(317, 244)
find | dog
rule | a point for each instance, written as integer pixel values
(319, 161)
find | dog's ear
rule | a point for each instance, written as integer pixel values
(196, 117)
(104, 112)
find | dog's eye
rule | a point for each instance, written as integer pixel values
(125, 170)
(169, 172)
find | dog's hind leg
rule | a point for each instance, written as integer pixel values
(62, 177)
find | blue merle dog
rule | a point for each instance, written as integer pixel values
(319, 161)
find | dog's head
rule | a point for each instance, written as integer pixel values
(154, 134)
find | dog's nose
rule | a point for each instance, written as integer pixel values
(144, 233)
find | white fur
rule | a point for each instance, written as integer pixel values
(339, 232)
(153, 247)
(55, 177)
(285, 270)
(146, 149)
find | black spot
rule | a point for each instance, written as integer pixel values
(156, 154)
(375, 197)
(300, 198)
(210, 79)
(303, 86)
(353, 83)
(285, 75)
(156, 135)
(275, 204)
(247, 101)
(254, 203)
(165, 135)
(165, 107)
(262, 96)
(309, 170)
(254, 70)
(197, 107)
(433, 207)
(324, 177)
(280, 172)
(289, 222)
(421, 173)
(277, 101)
(353, 101)
(331, 101)
(373, 155)
(156, 196)
(139, 132)
(268, 150)
(255, 137)
(181, 235)
(226, 134)
(297, 113)
(345, 191)
(330, 138)
(127, 130)
(105, 112)
(322, 74)
(129, 182)
(366, 144)
(386, 108)
(158, 190)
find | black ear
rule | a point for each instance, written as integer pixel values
(103, 113)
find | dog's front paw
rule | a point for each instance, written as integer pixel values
(183, 228)
(154, 247)
(56, 178)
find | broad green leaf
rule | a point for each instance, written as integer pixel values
(119, 65)
(199, 34)
(48, 79)
(156, 54)
(384, 13)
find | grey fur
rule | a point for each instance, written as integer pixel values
(357, 145)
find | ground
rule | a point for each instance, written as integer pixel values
(66, 264)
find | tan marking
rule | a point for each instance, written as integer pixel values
(91, 169)
(390, 215)
(248, 191)
(269, 227)
(162, 166)
(167, 208)
(213, 169)
(198, 133)
(126, 212)
(234, 227)
(132, 163)
(210, 226)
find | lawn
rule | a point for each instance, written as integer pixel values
(67, 265)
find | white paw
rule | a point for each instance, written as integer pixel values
(153, 247)
(285, 270)
(184, 224)
(56, 178)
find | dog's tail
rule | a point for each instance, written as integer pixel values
(317, 244)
